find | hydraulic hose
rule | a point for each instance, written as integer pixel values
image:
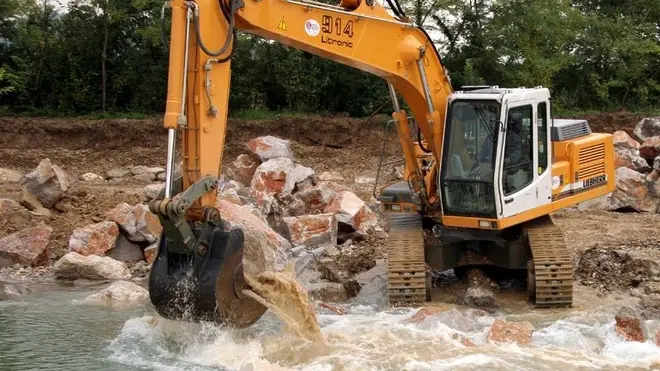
(230, 35)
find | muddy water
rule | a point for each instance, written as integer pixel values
(51, 330)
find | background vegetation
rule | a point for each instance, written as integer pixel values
(106, 56)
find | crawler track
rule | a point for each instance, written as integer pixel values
(550, 275)
(406, 275)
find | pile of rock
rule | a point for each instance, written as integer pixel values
(286, 213)
(100, 250)
(139, 173)
(43, 188)
(637, 170)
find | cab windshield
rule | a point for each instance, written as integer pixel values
(469, 158)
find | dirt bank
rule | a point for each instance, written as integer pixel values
(348, 146)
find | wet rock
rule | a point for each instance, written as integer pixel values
(119, 292)
(304, 177)
(150, 252)
(350, 210)
(137, 170)
(140, 270)
(91, 177)
(511, 332)
(8, 205)
(480, 292)
(94, 239)
(26, 247)
(373, 285)
(118, 173)
(312, 230)
(647, 128)
(650, 149)
(650, 306)
(463, 340)
(145, 177)
(423, 313)
(623, 141)
(9, 176)
(333, 292)
(264, 249)
(270, 147)
(628, 325)
(333, 308)
(48, 183)
(242, 169)
(317, 198)
(274, 177)
(330, 176)
(93, 267)
(9, 291)
(125, 250)
(153, 191)
(632, 192)
(480, 297)
(630, 158)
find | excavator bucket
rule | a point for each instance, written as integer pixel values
(206, 285)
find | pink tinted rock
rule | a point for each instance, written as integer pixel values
(94, 239)
(270, 147)
(351, 210)
(312, 230)
(274, 177)
(264, 249)
(26, 247)
(511, 332)
(242, 169)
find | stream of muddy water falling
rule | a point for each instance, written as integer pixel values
(52, 330)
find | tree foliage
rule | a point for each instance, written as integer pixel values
(99, 55)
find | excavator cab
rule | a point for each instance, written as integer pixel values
(496, 158)
(506, 166)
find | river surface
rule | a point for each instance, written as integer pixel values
(52, 330)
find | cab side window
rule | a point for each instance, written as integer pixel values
(518, 151)
(542, 125)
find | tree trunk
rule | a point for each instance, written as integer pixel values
(44, 38)
(103, 53)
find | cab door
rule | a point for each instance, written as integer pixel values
(524, 179)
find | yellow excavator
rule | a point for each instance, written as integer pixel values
(484, 166)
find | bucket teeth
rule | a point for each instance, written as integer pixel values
(406, 274)
(551, 272)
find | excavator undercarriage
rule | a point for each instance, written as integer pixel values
(537, 247)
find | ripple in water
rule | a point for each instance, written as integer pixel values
(367, 339)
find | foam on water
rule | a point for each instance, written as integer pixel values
(368, 339)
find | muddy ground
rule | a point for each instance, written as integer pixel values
(348, 146)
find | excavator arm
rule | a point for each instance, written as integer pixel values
(357, 33)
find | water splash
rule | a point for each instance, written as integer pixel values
(285, 296)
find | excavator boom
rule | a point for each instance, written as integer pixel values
(196, 252)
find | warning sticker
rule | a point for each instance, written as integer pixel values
(312, 27)
(282, 25)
